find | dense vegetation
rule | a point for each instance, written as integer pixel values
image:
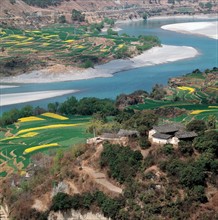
(72, 106)
(43, 3)
(123, 163)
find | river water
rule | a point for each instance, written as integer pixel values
(135, 79)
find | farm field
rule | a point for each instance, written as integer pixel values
(67, 44)
(198, 98)
(39, 134)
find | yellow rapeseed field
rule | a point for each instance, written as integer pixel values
(30, 134)
(190, 89)
(18, 36)
(120, 45)
(56, 116)
(31, 149)
(196, 112)
(30, 118)
(212, 106)
(47, 127)
(80, 46)
(45, 44)
(69, 41)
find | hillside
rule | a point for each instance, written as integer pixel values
(159, 161)
(18, 13)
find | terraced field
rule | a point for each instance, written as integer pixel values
(39, 134)
(191, 99)
(64, 43)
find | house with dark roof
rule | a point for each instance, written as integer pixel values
(170, 133)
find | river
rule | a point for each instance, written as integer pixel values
(135, 79)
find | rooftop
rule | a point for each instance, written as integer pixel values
(185, 134)
(125, 133)
(162, 136)
(169, 128)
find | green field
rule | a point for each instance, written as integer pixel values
(192, 99)
(66, 44)
(25, 135)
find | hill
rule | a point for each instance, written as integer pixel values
(23, 13)
(130, 174)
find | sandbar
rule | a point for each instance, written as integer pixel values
(7, 86)
(154, 56)
(196, 16)
(208, 29)
(15, 98)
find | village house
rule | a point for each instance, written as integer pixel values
(170, 134)
(116, 138)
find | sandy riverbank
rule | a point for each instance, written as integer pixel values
(197, 17)
(208, 29)
(15, 98)
(154, 56)
(7, 86)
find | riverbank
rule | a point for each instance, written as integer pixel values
(170, 17)
(196, 16)
(208, 29)
(15, 98)
(57, 73)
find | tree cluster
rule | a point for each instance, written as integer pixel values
(77, 16)
(109, 207)
(123, 162)
(43, 3)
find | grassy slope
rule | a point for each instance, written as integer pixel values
(12, 149)
(190, 101)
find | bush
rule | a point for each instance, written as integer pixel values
(185, 148)
(88, 64)
(123, 162)
(198, 126)
(144, 143)
(191, 176)
(168, 149)
(207, 142)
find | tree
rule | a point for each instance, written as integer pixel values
(211, 122)
(191, 176)
(53, 107)
(143, 118)
(158, 92)
(69, 107)
(77, 16)
(198, 126)
(207, 142)
(145, 16)
(62, 19)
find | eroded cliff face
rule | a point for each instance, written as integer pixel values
(19, 13)
(74, 215)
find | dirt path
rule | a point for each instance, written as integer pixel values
(100, 178)
(3, 213)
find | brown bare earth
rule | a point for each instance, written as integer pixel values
(20, 14)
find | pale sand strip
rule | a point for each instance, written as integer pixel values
(197, 17)
(208, 29)
(154, 56)
(7, 86)
(15, 98)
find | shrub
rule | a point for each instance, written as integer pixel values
(198, 126)
(185, 148)
(168, 149)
